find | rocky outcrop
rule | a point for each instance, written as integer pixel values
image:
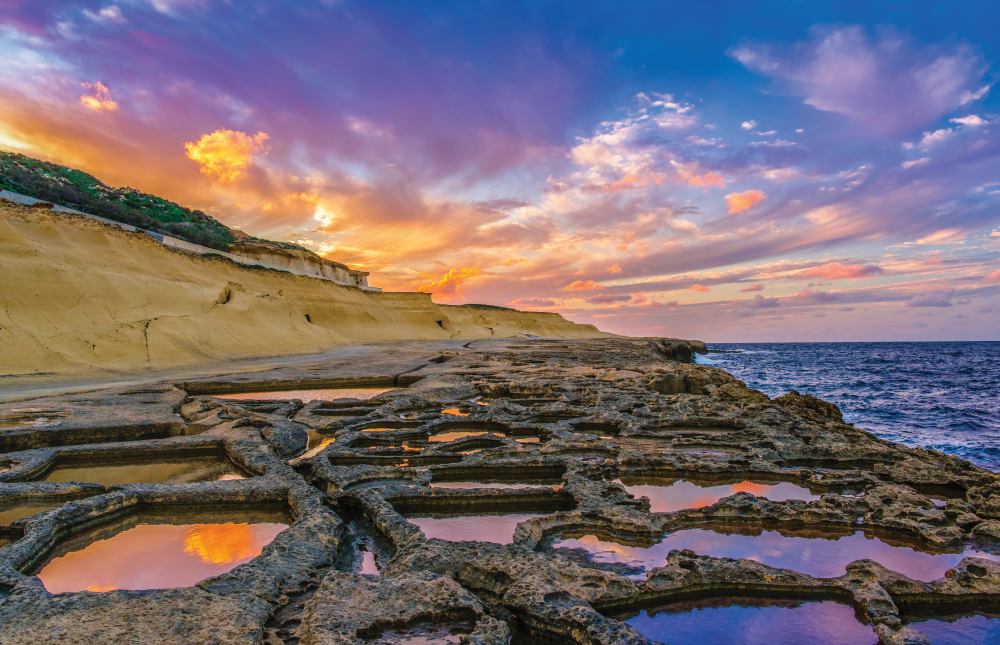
(562, 424)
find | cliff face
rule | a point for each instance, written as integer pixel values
(78, 297)
(295, 259)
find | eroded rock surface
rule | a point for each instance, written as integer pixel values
(535, 429)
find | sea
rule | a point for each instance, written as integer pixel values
(940, 395)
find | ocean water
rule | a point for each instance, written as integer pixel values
(944, 396)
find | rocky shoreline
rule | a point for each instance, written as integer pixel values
(562, 422)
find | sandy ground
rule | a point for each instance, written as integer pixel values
(82, 301)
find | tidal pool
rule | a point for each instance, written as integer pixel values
(315, 444)
(751, 621)
(154, 556)
(455, 412)
(368, 565)
(822, 557)
(465, 485)
(975, 629)
(12, 513)
(175, 471)
(669, 495)
(452, 435)
(321, 394)
(498, 528)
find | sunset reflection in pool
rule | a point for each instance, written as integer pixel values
(753, 622)
(480, 528)
(158, 556)
(667, 496)
(822, 557)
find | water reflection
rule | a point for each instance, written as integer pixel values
(192, 469)
(315, 444)
(10, 514)
(368, 564)
(666, 496)
(158, 556)
(977, 629)
(816, 555)
(457, 485)
(452, 435)
(455, 412)
(321, 394)
(498, 528)
(746, 621)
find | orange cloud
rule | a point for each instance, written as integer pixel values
(841, 271)
(700, 288)
(100, 99)
(226, 154)
(992, 276)
(450, 284)
(754, 287)
(583, 285)
(689, 174)
(739, 202)
(615, 268)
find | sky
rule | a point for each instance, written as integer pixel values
(732, 171)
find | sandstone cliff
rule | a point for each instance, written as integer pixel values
(80, 298)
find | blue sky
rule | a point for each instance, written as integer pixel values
(732, 171)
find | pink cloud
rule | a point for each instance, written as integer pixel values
(739, 202)
(583, 285)
(841, 271)
(753, 287)
(885, 81)
(700, 288)
(993, 277)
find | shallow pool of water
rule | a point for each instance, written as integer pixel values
(176, 471)
(12, 513)
(977, 629)
(494, 485)
(368, 565)
(822, 557)
(321, 394)
(669, 495)
(455, 412)
(745, 621)
(498, 528)
(156, 556)
(452, 435)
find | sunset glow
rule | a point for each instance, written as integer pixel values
(726, 176)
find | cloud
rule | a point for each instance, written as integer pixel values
(739, 202)
(753, 287)
(609, 298)
(700, 288)
(939, 299)
(534, 302)
(913, 163)
(841, 271)
(99, 100)
(748, 125)
(451, 283)
(944, 236)
(583, 285)
(970, 120)
(226, 155)
(109, 14)
(689, 173)
(993, 277)
(760, 302)
(883, 80)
